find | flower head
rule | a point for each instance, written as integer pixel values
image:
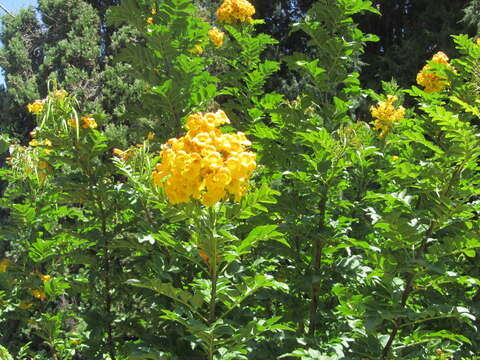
(124, 155)
(39, 294)
(232, 11)
(60, 94)
(205, 164)
(33, 142)
(216, 36)
(88, 122)
(36, 107)
(44, 278)
(43, 165)
(72, 122)
(150, 20)
(198, 49)
(386, 114)
(431, 81)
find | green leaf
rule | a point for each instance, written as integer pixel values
(261, 233)
(143, 352)
(445, 334)
(181, 296)
(4, 143)
(4, 354)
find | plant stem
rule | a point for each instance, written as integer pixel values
(213, 298)
(407, 292)
(318, 245)
(211, 349)
(214, 278)
(211, 315)
(108, 296)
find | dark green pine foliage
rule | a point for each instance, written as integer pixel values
(66, 41)
(472, 14)
(410, 33)
(20, 60)
(71, 47)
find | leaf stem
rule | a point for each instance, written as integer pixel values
(318, 245)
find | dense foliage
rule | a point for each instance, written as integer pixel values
(64, 41)
(257, 201)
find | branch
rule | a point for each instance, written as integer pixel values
(6, 10)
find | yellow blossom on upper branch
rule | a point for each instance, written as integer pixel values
(232, 11)
(36, 107)
(385, 115)
(153, 11)
(428, 79)
(216, 36)
(205, 164)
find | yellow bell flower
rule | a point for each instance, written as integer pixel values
(205, 164)
(431, 81)
(36, 107)
(232, 11)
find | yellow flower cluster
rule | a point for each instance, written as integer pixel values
(4, 264)
(88, 122)
(43, 165)
(39, 294)
(232, 11)
(386, 115)
(44, 278)
(124, 155)
(428, 79)
(60, 94)
(36, 107)
(198, 49)
(35, 142)
(205, 164)
(216, 36)
(150, 20)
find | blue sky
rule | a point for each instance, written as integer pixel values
(13, 6)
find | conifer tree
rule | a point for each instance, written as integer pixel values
(67, 42)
